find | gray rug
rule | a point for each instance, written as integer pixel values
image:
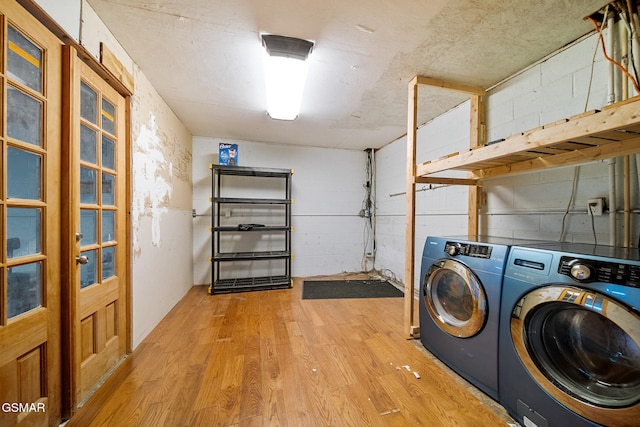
(336, 289)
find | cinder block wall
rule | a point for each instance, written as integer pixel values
(524, 206)
(327, 191)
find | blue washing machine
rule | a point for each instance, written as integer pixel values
(461, 281)
(570, 336)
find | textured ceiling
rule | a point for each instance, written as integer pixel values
(204, 58)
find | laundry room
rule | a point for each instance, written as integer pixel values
(445, 231)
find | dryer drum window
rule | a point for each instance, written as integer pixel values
(589, 351)
(455, 299)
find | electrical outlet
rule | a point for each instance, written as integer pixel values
(595, 207)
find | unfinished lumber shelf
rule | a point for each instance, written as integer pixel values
(586, 137)
(595, 135)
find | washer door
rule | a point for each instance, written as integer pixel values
(583, 348)
(455, 299)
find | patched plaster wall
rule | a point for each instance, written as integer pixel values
(160, 207)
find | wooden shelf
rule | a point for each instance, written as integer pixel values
(590, 136)
(594, 135)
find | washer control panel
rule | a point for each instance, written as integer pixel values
(588, 270)
(468, 249)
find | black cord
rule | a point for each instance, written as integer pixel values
(593, 226)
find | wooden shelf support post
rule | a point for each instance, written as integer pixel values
(477, 124)
(409, 268)
(477, 139)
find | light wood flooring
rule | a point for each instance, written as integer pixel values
(269, 358)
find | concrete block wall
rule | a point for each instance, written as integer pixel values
(530, 205)
(327, 191)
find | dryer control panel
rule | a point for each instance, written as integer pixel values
(588, 270)
(468, 249)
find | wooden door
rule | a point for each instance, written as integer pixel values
(30, 135)
(96, 228)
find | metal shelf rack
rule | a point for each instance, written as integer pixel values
(227, 238)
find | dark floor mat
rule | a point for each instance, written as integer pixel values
(332, 289)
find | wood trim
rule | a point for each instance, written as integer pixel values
(128, 197)
(112, 64)
(71, 91)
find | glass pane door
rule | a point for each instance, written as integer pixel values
(30, 145)
(97, 211)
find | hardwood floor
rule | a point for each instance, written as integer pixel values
(270, 358)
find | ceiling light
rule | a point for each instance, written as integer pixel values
(286, 66)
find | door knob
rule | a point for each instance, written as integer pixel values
(81, 259)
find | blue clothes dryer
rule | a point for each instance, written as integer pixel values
(459, 307)
(570, 336)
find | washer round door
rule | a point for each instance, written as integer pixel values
(455, 298)
(583, 348)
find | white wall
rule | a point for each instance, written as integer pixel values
(66, 13)
(523, 206)
(327, 189)
(161, 192)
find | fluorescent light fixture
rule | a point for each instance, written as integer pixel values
(285, 66)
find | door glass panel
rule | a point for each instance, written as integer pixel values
(108, 189)
(586, 354)
(23, 174)
(108, 226)
(87, 144)
(88, 103)
(24, 117)
(23, 232)
(88, 226)
(108, 261)
(88, 274)
(108, 153)
(88, 186)
(24, 288)
(108, 115)
(24, 60)
(453, 297)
